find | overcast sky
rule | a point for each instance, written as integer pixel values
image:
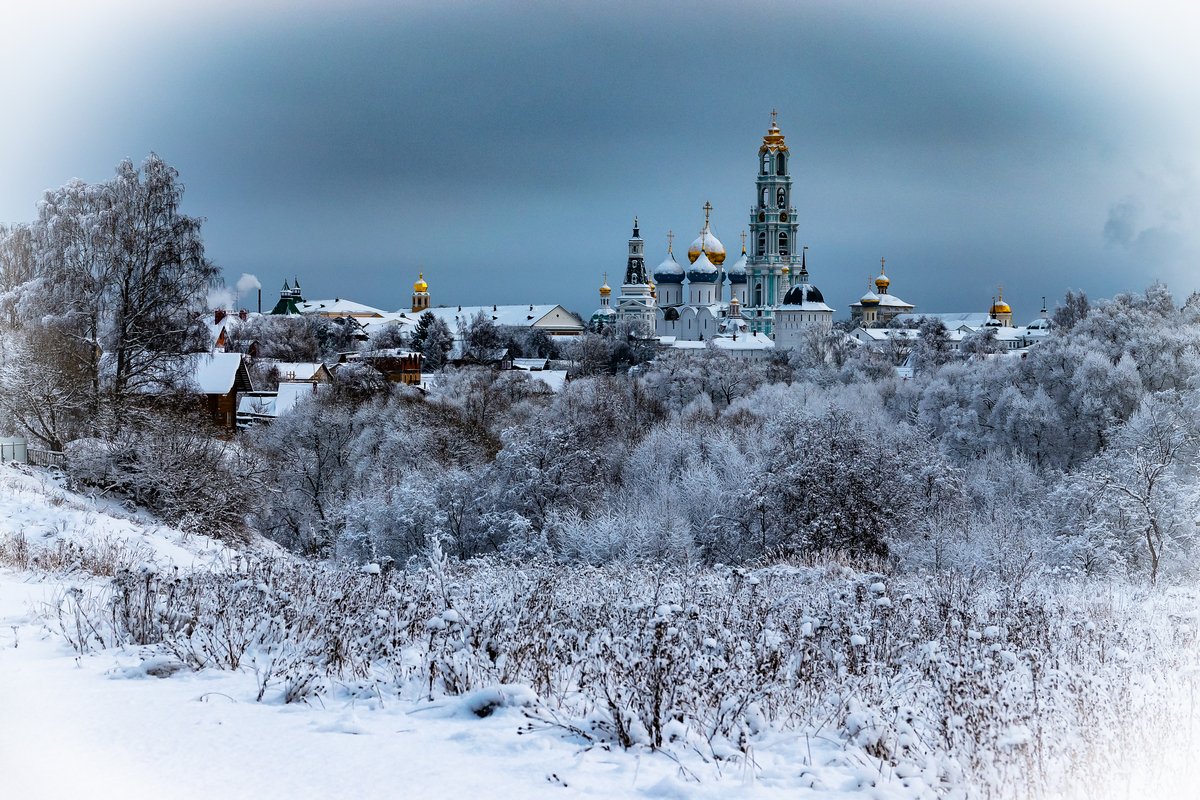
(503, 149)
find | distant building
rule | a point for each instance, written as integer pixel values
(879, 307)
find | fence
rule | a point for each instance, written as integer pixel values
(13, 448)
(47, 458)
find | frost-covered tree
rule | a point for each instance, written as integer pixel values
(433, 340)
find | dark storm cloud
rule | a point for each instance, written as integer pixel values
(504, 149)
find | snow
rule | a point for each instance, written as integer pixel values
(458, 318)
(214, 373)
(340, 307)
(297, 370)
(110, 721)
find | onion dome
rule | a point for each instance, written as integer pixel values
(669, 271)
(882, 283)
(803, 293)
(869, 299)
(702, 270)
(711, 246)
(1000, 307)
(737, 273)
(707, 243)
(605, 289)
(420, 285)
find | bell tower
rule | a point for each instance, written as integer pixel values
(636, 302)
(773, 232)
(420, 296)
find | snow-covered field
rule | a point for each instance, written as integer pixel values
(98, 721)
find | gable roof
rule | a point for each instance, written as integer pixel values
(213, 373)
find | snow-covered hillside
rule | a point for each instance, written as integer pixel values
(477, 680)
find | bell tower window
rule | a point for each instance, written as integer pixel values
(781, 198)
(783, 243)
(780, 164)
(762, 243)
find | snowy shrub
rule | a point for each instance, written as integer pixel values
(975, 688)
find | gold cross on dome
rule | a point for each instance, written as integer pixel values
(707, 211)
(882, 261)
(743, 240)
(774, 114)
(670, 240)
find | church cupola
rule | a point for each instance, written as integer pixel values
(605, 315)
(883, 281)
(707, 243)
(420, 296)
(1000, 310)
(669, 276)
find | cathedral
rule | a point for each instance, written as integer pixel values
(765, 295)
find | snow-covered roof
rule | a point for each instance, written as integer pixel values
(273, 404)
(213, 373)
(953, 320)
(528, 316)
(755, 341)
(884, 334)
(298, 370)
(890, 300)
(339, 306)
(806, 306)
(530, 363)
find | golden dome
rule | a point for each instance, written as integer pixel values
(420, 285)
(882, 282)
(605, 289)
(773, 141)
(1001, 307)
(712, 248)
(710, 244)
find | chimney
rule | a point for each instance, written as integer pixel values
(260, 299)
(220, 315)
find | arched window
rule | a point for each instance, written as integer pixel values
(781, 198)
(762, 243)
(781, 164)
(766, 163)
(783, 243)
(762, 202)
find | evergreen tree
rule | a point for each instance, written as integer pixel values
(433, 340)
